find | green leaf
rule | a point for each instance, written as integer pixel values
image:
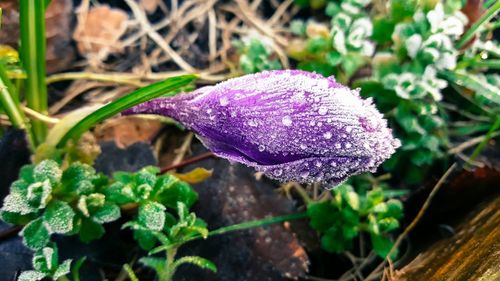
(146, 239)
(90, 230)
(63, 269)
(47, 170)
(35, 234)
(31, 275)
(333, 58)
(382, 30)
(152, 215)
(108, 213)
(402, 9)
(394, 208)
(322, 215)
(158, 264)
(351, 63)
(39, 194)
(318, 45)
(77, 178)
(333, 241)
(46, 259)
(375, 196)
(381, 245)
(388, 224)
(162, 88)
(59, 217)
(17, 203)
(198, 261)
(170, 191)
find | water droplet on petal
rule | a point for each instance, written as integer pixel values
(318, 164)
(262, 148)
(338, 146)
(333, 164)
(287, 121)
(224, 101)
(348, 145)
(327, 135)
(304, 174)
(303, 146)
(322, 110)
(278, 172)
(252, 123)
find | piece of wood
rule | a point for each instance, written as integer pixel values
(473, 253)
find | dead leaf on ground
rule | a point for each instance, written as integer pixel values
(60, 52)
(127, 130)
(98, 31)
(194, 176)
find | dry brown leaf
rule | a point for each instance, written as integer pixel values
(195, 176)
(60, 52)
(99, 30)
(127, 130)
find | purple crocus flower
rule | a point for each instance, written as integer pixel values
(290, 124)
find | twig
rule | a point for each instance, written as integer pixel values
(10, 232)
(39, 116)
(181, 151)
(139, 15)
(376, 272)
(188, 162)
(471, 142)
(120, 78)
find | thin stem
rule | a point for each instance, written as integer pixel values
(63, 278)
(187, 162)
(490, 13)
(116, 78)
(10, 103)
(169, 270)
(33, 45)
(130, 272)
(235, 227)
(374, 274)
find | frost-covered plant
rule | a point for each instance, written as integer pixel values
(255, 54)
(341, 219)
(289, 124)
(47, 199)
(345, 46)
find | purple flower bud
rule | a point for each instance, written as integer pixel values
(289, 124)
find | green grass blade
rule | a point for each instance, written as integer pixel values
(119, 105)
(10, 103)
(490, 13)
(33, 45)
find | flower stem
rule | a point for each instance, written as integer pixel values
(169, 270)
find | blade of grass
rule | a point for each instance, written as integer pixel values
(139, 96)
(487, 16)
(33, 45)
(10, 103)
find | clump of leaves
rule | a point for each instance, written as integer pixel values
(46, 265)
(340, 49)
(48, 199)
(156, 225)
(255, 55)
(341, 219)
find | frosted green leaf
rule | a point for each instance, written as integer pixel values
(90, 230)
(156, 263)
(59, 217)
(152, 215)
(47, 170)
(38, 194)
(108, 213)
(17, 203)
(31, 275)
(63, 269)
(45, 260)
(35, 234)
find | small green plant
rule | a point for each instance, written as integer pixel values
(341, 219)
(46, 265)
(255, 55)
(47, 199)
